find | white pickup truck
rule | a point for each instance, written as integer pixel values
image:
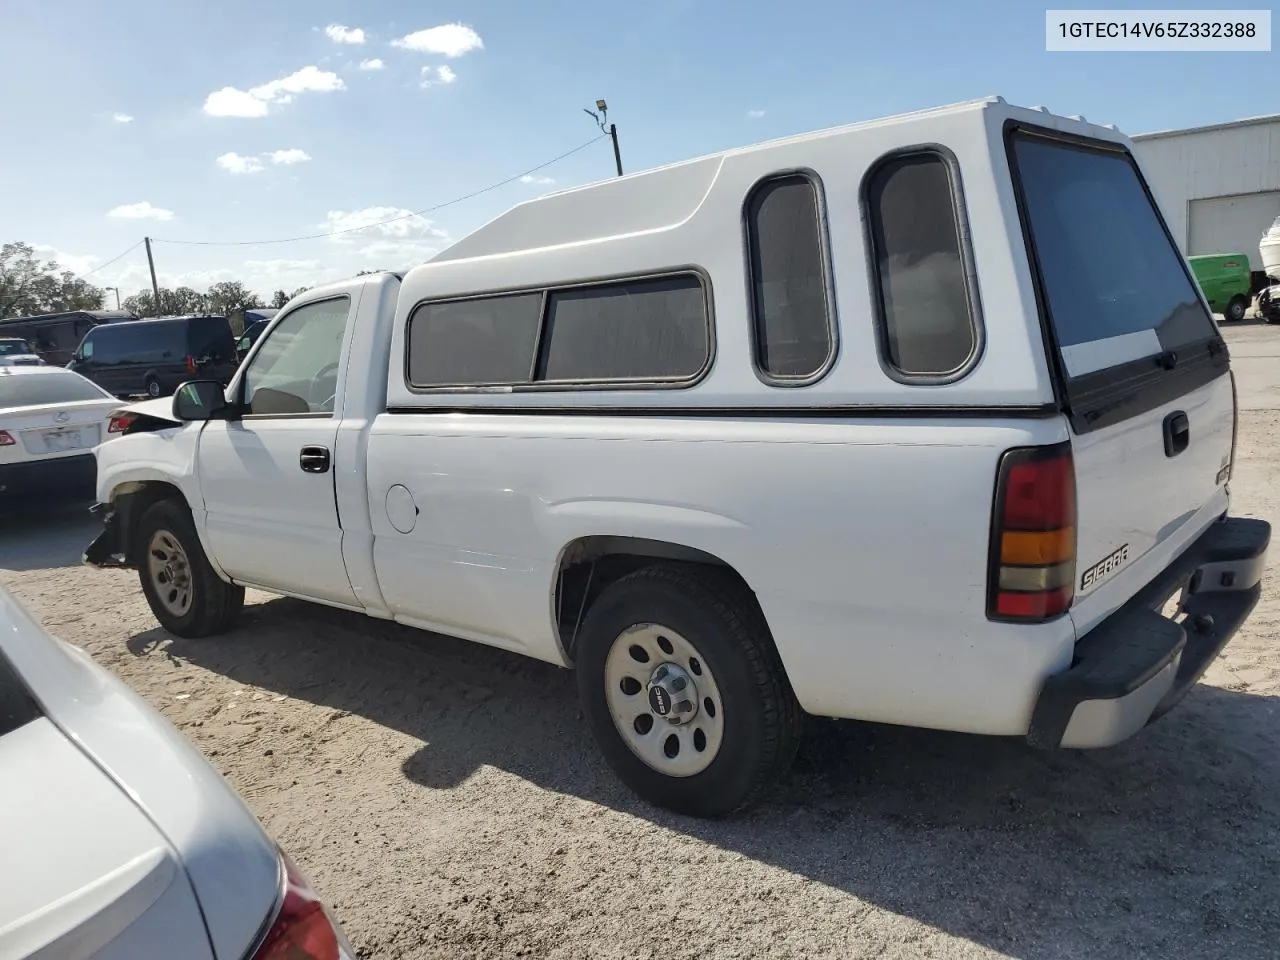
(920, 421)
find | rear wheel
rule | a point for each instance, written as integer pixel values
(1236, 308)
(185, 594)
(153, 386)
(684, 691)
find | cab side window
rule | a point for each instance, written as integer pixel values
(295, 371)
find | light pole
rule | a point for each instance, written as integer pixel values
(116, 291)
(601, 116)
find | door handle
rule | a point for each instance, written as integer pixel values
(1177, 433)
(314, 459)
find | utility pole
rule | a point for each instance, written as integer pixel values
(116, 291)
(602, 118)
(155, 287)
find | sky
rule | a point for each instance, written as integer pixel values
(240, 121)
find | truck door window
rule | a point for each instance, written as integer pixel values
(295, 371)
(926, 306)
(793, 329)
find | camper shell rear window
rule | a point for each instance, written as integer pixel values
(1127, 328)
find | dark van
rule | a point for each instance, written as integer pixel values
(154, 356)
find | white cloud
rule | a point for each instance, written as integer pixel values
(122, 118)
(230, 102)
(449, 40)
(234, 163)
(436, 76)
(256, 102)
(75, 262)
(290, 156)
(755, 114)
(371, 222)
(142, 210)
(340, 34)
(540, 181)
(374, 64)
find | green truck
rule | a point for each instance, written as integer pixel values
(1225, 280)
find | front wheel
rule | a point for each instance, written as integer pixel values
(1236, 308)
(185, 594)
(684, 691)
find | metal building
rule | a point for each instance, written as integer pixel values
(1219, 185)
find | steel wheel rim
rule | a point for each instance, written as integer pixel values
(674, 743)
(153, 389)
(170, 572)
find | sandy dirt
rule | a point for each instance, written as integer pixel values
(448, 800)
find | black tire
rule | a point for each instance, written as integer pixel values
(1236, 308)
(214, 603)
(720, 617)
(153, 387)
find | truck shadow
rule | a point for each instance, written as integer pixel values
(1168, 839)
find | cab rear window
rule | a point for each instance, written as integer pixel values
(1115, 288)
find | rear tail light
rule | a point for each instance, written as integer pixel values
(120, 422)
(191, 365)
(6, 439)
(1033, 535)
(302, 928)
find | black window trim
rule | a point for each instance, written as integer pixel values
(828, 284)
(272, 324)
(560, 386)
(964, 242)
(1104, 398)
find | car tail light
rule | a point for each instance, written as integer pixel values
(6, 439)
(191, 365)
(120, 422)
(1033, 536)
(302, 928)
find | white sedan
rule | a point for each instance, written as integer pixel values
(119, 841)
(50, 421)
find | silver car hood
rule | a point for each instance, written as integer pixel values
(232, 864)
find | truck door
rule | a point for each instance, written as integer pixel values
(267, 479)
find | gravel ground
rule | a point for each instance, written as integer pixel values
(448, 800)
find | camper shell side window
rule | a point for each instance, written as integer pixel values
(789, 275)
(922, 276)
(639, 332)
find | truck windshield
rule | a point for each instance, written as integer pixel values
(1115, 288)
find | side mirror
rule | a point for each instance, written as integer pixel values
(201, 400)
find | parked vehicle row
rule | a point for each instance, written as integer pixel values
(918, 421)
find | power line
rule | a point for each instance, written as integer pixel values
(112, 260)
(404, 216)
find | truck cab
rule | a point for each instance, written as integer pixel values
(919, 421)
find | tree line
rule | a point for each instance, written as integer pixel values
(30, 286)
